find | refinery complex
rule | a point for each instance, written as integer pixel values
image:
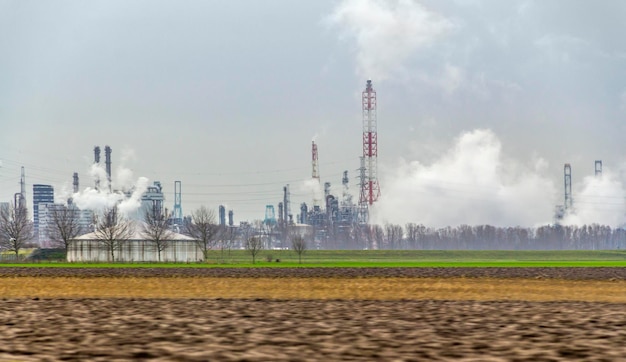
(327, 217)
(330, 221)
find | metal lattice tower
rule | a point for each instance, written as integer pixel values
(370, 190)
(569, 203)
(598, 167)
(178, 209)
(347, 198)
(22, 199)
(315, 172)
(363, 214)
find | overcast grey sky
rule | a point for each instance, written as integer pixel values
(480, 102)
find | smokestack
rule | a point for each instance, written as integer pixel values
(107, 162)
(96, 154)
(286, 204)
(222, 212)
(567, 172)
(75, 183)
(96, 160)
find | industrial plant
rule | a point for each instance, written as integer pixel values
(327, 220)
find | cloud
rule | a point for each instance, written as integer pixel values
(599, 200)
(471, 183)
(387, 33)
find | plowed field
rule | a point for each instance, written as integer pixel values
(309, 314)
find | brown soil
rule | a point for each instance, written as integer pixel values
(582, 273)
(309, 330)
(307, 314)
(317, 288)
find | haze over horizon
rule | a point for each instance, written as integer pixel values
(480, 103)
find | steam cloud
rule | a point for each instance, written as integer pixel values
(600, 200)
(473, 184)
(387, 33)
(125, 191)
(314, 188)
(470, 184)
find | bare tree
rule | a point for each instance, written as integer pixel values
(16, 230)
(393, 234)
(299, 245)
(156, 229)
(377, 234)
(229, 238)
(203, 229)
(64, 225)
(254, 245)
(112, 230)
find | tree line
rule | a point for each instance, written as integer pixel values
(487, 237)
(113, 230)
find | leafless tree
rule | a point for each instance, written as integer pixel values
(230, 237)
(156, 229)
(16, 230)
(377, 234)
(64, 225)
(203, 229)
(299, 245)
(112, 230)
(254, 246)
(393, 234)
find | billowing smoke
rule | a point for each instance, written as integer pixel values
(387, 33)
(599, 200)
(472, 183)
(125, 191)
(314, 188)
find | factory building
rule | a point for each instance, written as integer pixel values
(152, 198)
(42, 194)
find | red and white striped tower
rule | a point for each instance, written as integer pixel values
(370, 190)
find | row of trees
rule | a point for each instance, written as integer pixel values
(113, 230)
(487, 237)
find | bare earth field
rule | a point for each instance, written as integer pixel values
(551, 314)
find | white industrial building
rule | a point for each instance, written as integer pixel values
(88, 248)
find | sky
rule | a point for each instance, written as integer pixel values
(480, 103)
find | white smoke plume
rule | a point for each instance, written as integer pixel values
(314, 188)
(471, 184)
(125, 191)
(599, 200)
(387, 33)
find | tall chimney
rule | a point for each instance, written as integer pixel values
(96, 154)
(107, 162)
(96, 160)
(75, 183)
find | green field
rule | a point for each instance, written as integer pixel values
(386, 258)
